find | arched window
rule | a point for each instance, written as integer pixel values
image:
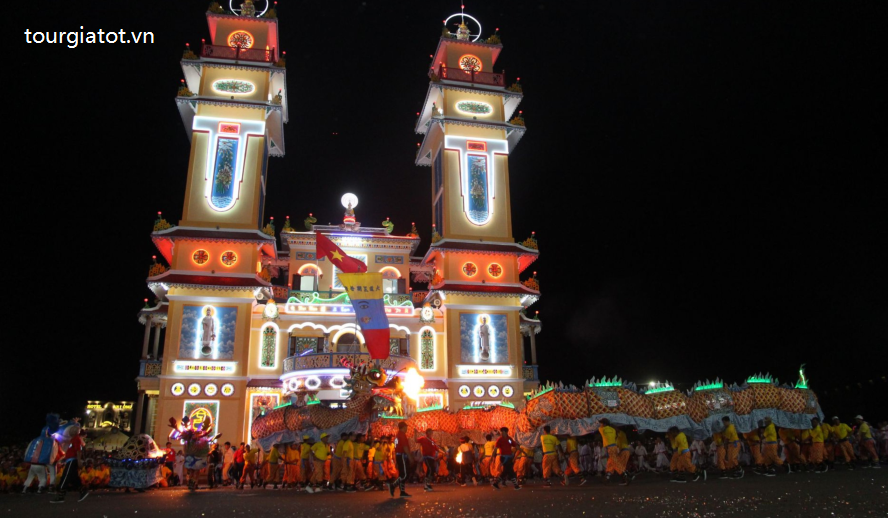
(269, 348)
(427, 350)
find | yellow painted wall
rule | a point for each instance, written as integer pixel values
(247, 257)
(456, 51)
(258, 78)
(326, 267)
(231, 417)
(197, 210)
(452, 267)
(227, 112)
(451, 97)
(456, 223)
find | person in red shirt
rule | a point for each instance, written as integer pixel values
(71, 475)
(503, 448)
(170, 459)
(402, 454)
(239, 463)
(429, 457)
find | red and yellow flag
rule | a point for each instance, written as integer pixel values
(365, 292)
(336, 256)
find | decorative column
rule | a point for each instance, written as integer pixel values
(156, 341)
(140, 409)
(533, 347)
(148, 326)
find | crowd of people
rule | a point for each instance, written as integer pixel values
(355, 461)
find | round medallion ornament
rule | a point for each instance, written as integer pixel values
(194, 389)
(200, 256)
(233, 86)
(271, 310)
(227, 390)
(470, 63)
(177, 389)
(470, 269)
(493, 391)
(427, 314)
(464, 391)
(467, 33)
(240, 39)
(495, 270)
(210, 389)
(229, 258)
(479, 391)
(474, 108)
(508, 391)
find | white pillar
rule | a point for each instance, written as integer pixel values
(156, 341)
(148, 325)
(533, 347)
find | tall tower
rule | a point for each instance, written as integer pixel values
(233, 103)
(469, 130)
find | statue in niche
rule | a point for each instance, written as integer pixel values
(484, 339)
(208, 332)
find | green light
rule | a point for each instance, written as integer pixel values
(659, 389)
(386, 416)
(710, 386)
(313, 401)
(538, 394)
(754, 379)
(283, 405)
(430, 408)
(606, 384)
(506, 404)
(387, 302)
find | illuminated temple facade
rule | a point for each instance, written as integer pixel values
(248, 318)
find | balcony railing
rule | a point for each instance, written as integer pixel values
(238, 54)
(530, 373)
(332, 360)
(149, 368)
(341, 297)
(467, 76)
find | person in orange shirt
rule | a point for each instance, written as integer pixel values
(754, 442)
(572, 450)
(792, 448)
(88, 475)
(292, 459)
(815, 450)
(609, 443)
(103, 474)
(719, 452)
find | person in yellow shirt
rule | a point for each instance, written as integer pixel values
(336, 464)
(840, 432)
(305, 460)
(347, 463)
(769, 448)
(732, 449)
(609, 444)
(87, 474)
(754, 442)
(319, 452)
(273, 461)
(815, 450)
(250, 458)
(623, 457)
(551, 453)
(866, 443)
(103, 475)
(829, 446)
(378, 457)
(572, 450)
(487, 457)
(681, 457)
(805, 442)
(360, 468)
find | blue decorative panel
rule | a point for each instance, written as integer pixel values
(483, 338)
(207, 332)
(390, 259)
(224, 173)
(479, 208)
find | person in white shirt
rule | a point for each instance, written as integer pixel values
(713, 453)
(640, 457)
(660, 451)
(596, 458)
(698, 453)
(586, 457)
(227, 462)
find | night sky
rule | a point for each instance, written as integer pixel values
(706, 180)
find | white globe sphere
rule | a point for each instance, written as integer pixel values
(349, 198)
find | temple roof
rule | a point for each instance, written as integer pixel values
(160, 284)
(528, 296)
(158, 313)
(526, 256)
(164, 239)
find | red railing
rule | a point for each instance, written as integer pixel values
(458, 74)
(238, 54)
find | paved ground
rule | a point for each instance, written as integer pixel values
(860, 493)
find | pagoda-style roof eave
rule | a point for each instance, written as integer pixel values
(161, 284)
(273, 115)
(424, 155)
(526, 295)
(164, 240)
(526, 256)
(192, 69)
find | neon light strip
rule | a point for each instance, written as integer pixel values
(207, 366)
(753, 379)
(607, 384)
(494, 147)
(430, 408)
(210, 125)
(709, 387)
(538, 394)
(659, 390)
